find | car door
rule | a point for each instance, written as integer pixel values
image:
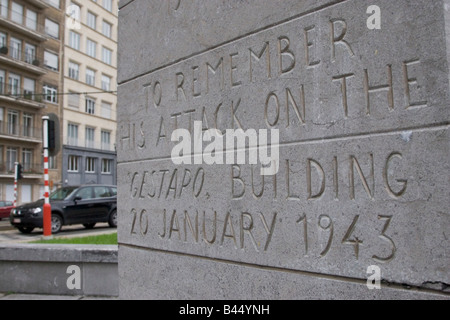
(81, 207)
(102, 202)
(3, 209)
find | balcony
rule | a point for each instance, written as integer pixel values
(88, 144)
(29, 170)
(13, 94)
(20, 133)
(25, 61)
(22, 25)
(41, 4)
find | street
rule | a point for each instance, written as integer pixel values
(8, 234)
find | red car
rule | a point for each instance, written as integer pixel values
(5, 209)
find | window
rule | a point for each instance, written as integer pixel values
(90, 165)
(90, 77)
(102, 192)
(107, 4)
(27, 159)
(51, 60)
(2, 40)
(28, 88)
(54, 3)
(72, 134)
(90, 105)
(106, 166)
(91, 48)
(90, 138)
(31, 19)
(52, 28)
(16, 48)
(85, 193)
(30, 53)
(13, 122)
(4, 8)
(2, 81)
(106, 55)
(74, 100)
(92, 20)
(74, 70)
(28, 125)
(106, 83)
(26, 193)
(50, 93)
(106, 110)
(52, 164)
(74, 40)
(73, 163)
(11, 158)
(14, 84)
(74, 11)
(17, 13)
(106, 140)
(107, 29)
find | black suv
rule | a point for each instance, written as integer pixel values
(84, 205)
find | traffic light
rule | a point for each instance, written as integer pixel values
(19, 172)
(51, 135)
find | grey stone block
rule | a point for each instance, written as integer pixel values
(335, 207)
(184, 277)
(44, 269)
(363, 120)
(370, 86)
(39, 297)
(180, 29)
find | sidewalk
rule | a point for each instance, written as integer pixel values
(20, 296)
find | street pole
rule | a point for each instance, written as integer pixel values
(16, 164)
(47, 223)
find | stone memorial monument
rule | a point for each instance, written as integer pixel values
(294, 149)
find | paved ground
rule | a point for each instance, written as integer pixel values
(8, 234)
(17, 296)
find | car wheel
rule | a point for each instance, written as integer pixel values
(113, 219)
(57, 223)
(26, 230)
(89, 225)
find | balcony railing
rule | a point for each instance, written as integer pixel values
(20, 131)
(18, 54)
(24, 23)
(19, 93)
(90, 144)
(27, 168)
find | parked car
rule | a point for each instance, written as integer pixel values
(5, 209)
(86, 205)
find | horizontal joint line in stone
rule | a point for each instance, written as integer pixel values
(268, 27)
(392, 285)
(432, 127)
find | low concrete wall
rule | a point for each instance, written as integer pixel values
(44, 269)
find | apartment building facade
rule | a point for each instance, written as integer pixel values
(31, 44)
(89, 122)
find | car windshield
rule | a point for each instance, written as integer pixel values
(62, 193)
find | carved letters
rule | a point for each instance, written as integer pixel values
(270, 82)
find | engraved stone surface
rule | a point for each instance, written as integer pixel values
(363, 122)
